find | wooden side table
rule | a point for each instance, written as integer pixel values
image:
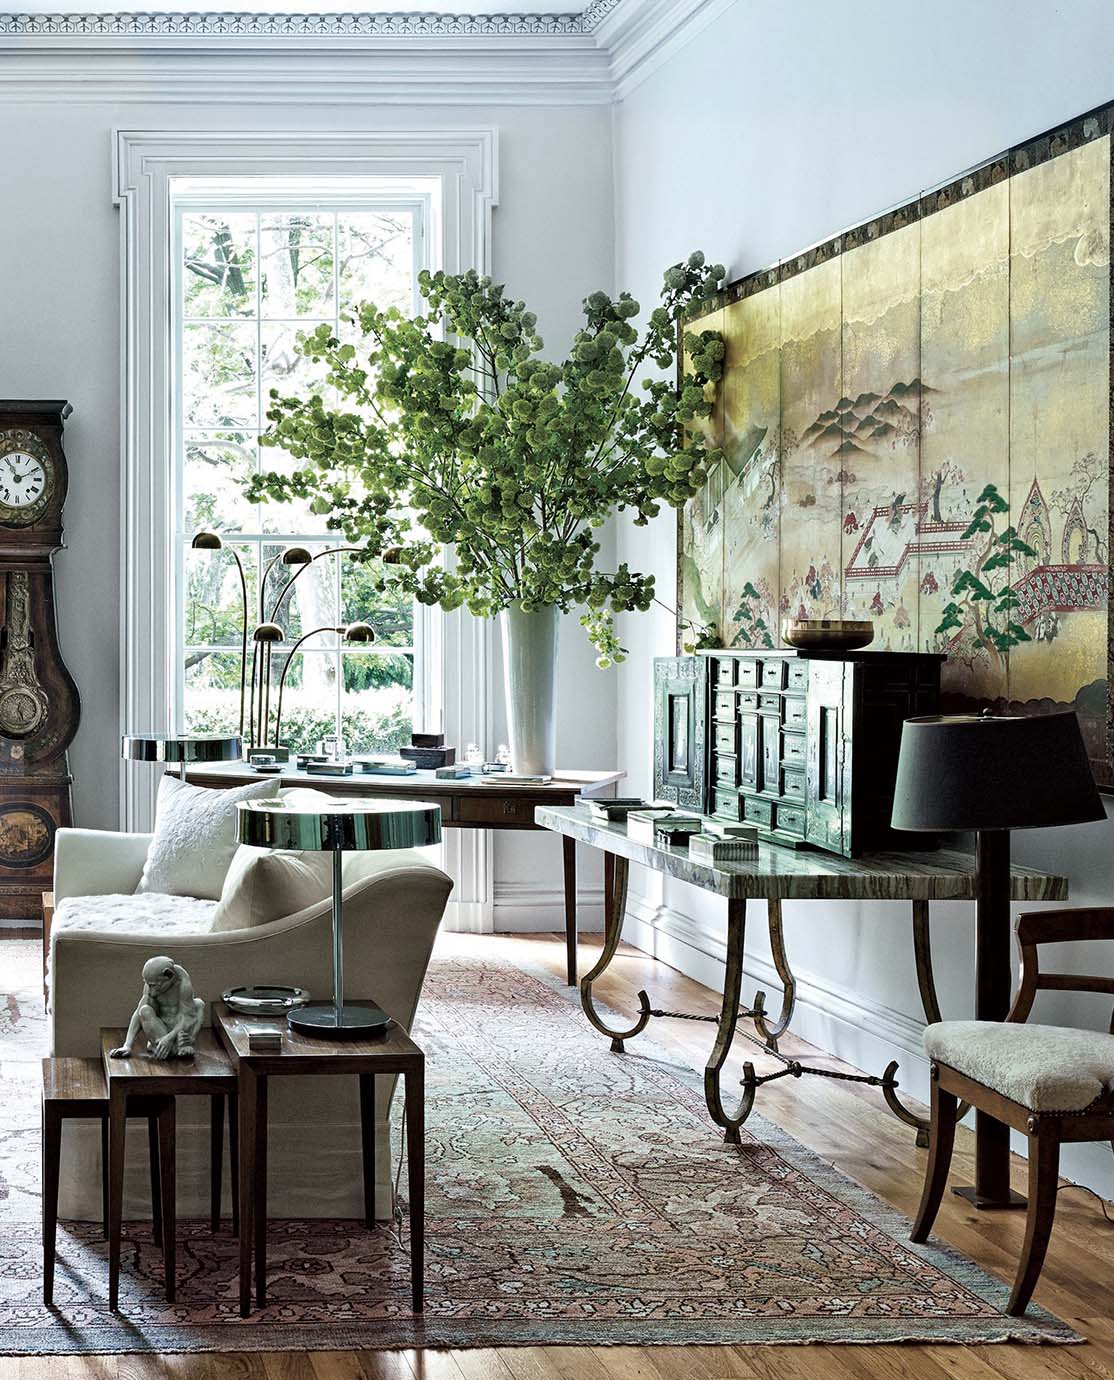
(396, 1053)
(74, 1090)
(207, 1074)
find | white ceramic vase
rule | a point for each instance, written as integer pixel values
(530, 683)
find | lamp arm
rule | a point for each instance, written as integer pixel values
(286, 667)
(243, 635)
(330, 551)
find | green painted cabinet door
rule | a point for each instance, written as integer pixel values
(827, 808)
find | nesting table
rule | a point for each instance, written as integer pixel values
(391, 1055)
(138, 1077)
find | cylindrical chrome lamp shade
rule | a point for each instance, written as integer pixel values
(969, 771)
(357, 827)
(154, 747)
(343, 827)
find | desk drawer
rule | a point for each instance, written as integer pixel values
(727, 805)
(794, 713)
(758, 811)
(748, 673)
(791, 819)
(725, 705)
(515, 810)
(769, 704)
(727, 769)
(727, 737)
(725, 671)
(748, 702)
(773, 675)
(798, 675)
(793, 785)
(793, 746)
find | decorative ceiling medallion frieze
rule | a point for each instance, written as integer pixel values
(173, 24)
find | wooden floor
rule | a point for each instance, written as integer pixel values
(844, 1124)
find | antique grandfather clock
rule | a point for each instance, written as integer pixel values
(39, 704)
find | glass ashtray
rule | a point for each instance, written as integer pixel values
(264, 1001)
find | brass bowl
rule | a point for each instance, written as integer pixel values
(827, 634)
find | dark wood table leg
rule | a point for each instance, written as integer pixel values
(216, 1161)
(260, 1189)
(156, 1181)
(168, 1184)
(234, 1158)
(367, 1144)
(104, 1175)
(993, 968)
(568, 850)
(415, 1165)
(247, 1140)
(117, 1132)
(52, 1152)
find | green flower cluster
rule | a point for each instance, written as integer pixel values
(452, 430)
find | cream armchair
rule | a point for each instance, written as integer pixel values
(393, 903)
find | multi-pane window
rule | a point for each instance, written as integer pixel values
(250, 277)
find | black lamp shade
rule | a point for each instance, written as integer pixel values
(967, 771)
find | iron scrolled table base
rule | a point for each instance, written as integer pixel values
(768, 1032)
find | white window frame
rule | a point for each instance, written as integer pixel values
(420, 198)
(464, 163)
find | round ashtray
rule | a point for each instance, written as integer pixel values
(265, 1001)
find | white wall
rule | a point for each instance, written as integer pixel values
(778, 126)
(60, 337)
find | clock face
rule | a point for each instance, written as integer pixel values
(22, 479)
(26, 477)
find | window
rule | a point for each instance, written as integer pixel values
(250, 273)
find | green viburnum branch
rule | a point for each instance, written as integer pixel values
(476, 441)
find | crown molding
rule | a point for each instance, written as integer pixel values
(640, 35)
(592, 58)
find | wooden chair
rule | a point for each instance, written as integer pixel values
(1054, 1084)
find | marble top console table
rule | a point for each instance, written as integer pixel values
(776, 875)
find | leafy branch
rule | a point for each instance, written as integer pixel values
(453, 430)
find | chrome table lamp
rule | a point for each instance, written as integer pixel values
(989, 774)
(345, 827)
(182, 749)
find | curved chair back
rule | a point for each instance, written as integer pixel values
(1058, 927)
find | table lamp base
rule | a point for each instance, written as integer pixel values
(357, 1021)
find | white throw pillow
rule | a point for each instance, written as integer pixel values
(262, 886)
(195, 837)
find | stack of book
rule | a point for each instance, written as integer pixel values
(662, 824)
(724, 843)
(385, 766)
(616, 809)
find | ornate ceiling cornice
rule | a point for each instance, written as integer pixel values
(590, 58)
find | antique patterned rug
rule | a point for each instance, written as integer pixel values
(573, 1197)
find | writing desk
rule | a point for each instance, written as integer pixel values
(465, 804)
(780, 873)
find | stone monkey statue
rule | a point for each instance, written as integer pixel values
(168, 1013)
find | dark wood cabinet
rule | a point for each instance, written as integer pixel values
(803, 745)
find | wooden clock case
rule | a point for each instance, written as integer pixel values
(35, 685)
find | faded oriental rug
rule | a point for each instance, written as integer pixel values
(574, 1196)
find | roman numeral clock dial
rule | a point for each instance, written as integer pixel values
(39, 704)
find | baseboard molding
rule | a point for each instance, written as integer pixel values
(865, 1034)
(527, 908)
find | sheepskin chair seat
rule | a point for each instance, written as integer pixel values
(1047, 1068)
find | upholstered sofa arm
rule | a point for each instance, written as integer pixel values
(97, 862)
(95, 977)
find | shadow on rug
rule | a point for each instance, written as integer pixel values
(574, 1196)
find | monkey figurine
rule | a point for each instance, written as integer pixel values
(168, 1013)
